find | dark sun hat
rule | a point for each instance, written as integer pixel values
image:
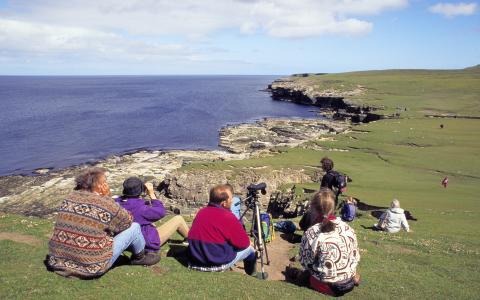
(133, 186)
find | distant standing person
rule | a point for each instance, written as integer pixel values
(91, 231)
(393, 219)
(146, 212)
(445, 181)
(331, 178)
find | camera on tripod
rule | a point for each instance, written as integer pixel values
(258, 232)
(252, 193)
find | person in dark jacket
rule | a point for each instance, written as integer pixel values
(328, 180)
(146, 212)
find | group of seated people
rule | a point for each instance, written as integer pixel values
(92, 230)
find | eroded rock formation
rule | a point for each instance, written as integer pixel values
(188, 188)
(336, 101)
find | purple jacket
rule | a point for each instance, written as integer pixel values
(145, 214)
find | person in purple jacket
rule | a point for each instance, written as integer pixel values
(217, 239)
(146, 212)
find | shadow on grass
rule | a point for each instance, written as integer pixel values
(373, 228)
(179, 253)
(292, 238)
(377, 211)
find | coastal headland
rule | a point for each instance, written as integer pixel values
(428, 129)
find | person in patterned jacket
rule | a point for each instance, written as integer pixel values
(91, 231)
(329, 249)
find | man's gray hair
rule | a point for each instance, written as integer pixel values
(395, 204)
(89, 178)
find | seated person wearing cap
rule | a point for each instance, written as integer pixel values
(146, 212)
(217, 240)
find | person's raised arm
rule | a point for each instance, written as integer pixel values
(155, 210)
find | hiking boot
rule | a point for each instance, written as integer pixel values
(145, 259)
(296, 276)
(250, 266)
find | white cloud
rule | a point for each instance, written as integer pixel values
(54, 40)
(193, 18)
(155, 31)
(451, 10)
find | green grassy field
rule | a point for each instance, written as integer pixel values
(402, 158)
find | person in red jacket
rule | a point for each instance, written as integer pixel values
(445, 181)
(217, 239)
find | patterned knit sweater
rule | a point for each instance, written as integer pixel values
(81, 244)
(330, 256)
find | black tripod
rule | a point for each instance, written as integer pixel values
(252, 202)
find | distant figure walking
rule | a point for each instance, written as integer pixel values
(445, 181)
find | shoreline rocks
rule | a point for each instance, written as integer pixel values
(269, 133)
(39, 195)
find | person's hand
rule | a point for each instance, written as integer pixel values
(149, 186)
(150, 191)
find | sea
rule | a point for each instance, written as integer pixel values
(60, 121)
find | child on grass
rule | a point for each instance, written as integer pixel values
(349, 210)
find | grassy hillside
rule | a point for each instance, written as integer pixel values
(421, 91)
(404, 158)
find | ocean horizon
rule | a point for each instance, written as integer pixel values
(60, 121)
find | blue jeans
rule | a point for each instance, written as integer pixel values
(129, 238)
(246, 254)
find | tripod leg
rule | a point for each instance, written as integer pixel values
(260, 241)
(266, 253)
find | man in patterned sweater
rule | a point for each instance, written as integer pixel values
(91, 230)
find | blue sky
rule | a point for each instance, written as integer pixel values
(84, 37)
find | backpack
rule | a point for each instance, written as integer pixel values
(285, 227)
(267, 227)
(340, 181)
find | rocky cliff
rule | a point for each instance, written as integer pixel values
(332, 100)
